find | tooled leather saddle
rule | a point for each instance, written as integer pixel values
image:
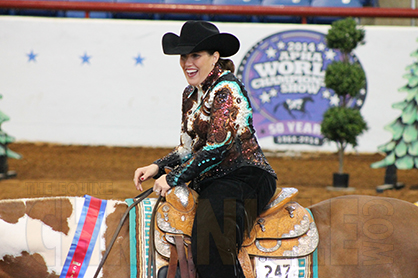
(283, 230)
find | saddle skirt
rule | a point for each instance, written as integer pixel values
(284, 229)
(175, 216)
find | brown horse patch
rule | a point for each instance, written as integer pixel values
(52, 212)
(12, 211)
(25, 266)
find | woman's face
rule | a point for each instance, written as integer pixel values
(197, 65)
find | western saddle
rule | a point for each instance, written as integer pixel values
(283, 230)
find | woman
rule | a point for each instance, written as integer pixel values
(218, 153)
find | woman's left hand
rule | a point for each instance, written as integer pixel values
(161, 186)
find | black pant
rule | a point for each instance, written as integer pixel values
(227, 208)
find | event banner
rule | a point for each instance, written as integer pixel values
(284, 75)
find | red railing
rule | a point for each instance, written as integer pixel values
(303, 12)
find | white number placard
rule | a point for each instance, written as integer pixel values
(280, 268)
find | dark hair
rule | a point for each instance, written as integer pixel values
(225, 64)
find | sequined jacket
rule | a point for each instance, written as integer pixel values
(217, 134)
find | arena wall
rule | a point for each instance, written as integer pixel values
(107, 82)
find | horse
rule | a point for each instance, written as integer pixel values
(36, 234)
(291, 105)
(359, 236)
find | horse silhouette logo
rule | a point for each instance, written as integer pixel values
(299, 105)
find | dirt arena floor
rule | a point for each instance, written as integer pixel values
(107, 172)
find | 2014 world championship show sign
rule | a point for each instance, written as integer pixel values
(284, 75)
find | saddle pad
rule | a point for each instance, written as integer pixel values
(139, 231)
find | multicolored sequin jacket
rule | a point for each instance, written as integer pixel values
(217, 134)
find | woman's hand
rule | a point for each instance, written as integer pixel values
(144, 173)
(161, 186)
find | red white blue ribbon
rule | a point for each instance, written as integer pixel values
(85, 237)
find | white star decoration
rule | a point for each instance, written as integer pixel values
(321, 46)
(281, 45)
(326, 94)
(265, 97)
(330, 54)
(271, 52)
(334, 100)
(273, 92)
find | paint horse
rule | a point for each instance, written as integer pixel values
(36, 235)
(359, 236)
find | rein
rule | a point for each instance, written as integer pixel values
(139, 199)
(151, 258)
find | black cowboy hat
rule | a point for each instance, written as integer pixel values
(197, 36)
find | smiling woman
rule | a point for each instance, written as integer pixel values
(219, 155)
(197, 66)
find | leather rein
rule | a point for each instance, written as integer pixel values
(138, 199)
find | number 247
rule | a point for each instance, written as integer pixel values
(278, 271)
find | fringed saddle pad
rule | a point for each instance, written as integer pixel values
(139, 231)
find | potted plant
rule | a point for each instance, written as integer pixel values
(343, 124)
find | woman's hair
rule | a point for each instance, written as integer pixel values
(225, 64)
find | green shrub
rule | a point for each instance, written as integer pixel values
(345, 78)
(344, 35)
(343, 125)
